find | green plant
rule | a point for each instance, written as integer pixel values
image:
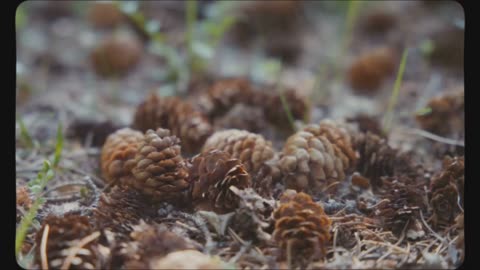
(25, 135)
(387, 120)
(36, 187)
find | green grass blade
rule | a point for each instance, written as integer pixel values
(58, 146)
(25, 224)
(387, 120)
(286, 108)
(25, 135)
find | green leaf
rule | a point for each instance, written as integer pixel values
(25, 135)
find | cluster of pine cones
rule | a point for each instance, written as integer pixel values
(146, 167)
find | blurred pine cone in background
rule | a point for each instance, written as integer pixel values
(445, 196)
(250, 148)
(120, 209)
(159, 169)
(104, 14)
(117, 155)
(275, 110)
(224, 94)
(65, 233)
(301, 224)
(211, 175)
(371, 68)
(116, 55)
(316, 157)
(377, 158)
(191, 126)
(378, 21)
(446, 114)
(242, 117)
(152, 242)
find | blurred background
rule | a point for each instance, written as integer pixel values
(99, 59)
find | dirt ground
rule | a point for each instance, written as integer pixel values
(313, 47)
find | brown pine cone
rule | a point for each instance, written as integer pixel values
(447, 114)
(276, 112)
(444, 191)
(378, 22)
(223, 94)
(152, 242)
(23, 201)
(316, 157)
(104, 14)
(191, 126)
(242, 117)
(64, 233)
(405, 199)
(368, 72)
(250, 148)
(211, 174)
(116, 55)
(117, 155)
(303, 224)
(159, 169)
(377, 158)
(120, 209)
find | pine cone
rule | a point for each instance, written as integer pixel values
(223, 94)
(159, 169)
(275, 111)
(250, 148)
(104, 15)
(120, 209)
(378, 22)
(377, 158)
(211, 174)
(64, 233)
(191, 126)
(116, 55)
(242, 117)
(23, 201)
(444, 190)
(447, 114)
(317, 156)
(302, 223)
(405, 200)
(368, 72)
(117, 155)
(152, 242)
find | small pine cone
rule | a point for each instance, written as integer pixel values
(302, 223)
(444, 190)
(211, 174)
(377, 158)
(152, 242)
(242, 117)
(378, 22)
(116, 55)
(368, 72)
(23, 201)
(159, 169)
(316, 157)
(104, 15)
(274, 108)
(405, 199)
(120, 209)
(117, 155)
(446, 115)
(250, 148)
(64, 233)
(191, 126)
(225, 93)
